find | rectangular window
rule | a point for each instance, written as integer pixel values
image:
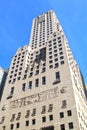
(43, 109)
(17, 125)
(34, 112)
(43, 80)
(27, 123)
(30, 84)
(12, 91)
(58, 76)
(27, 113)
(44, 119)
(50, 108)
(64, 104)
(13, 117)
(69, 113)
(23, 86)
(18, 116)
(12, 126)
(71, 125)
(61, 115)
(36, 82)
(62, 127)
(50, 117)
(4, 127)
(33, 122)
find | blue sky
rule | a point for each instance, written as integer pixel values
(16, 21)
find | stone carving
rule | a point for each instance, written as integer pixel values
(45, 95)
(63, 89)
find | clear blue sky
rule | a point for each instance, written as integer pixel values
(16, 21)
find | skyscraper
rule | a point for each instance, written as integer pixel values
(44, 88)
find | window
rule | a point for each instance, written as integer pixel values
(50, 117)
(11, 126)
(34, 112)
(23, 86)
(56, 65)
(18, 78)
(56, 59)
(4, 127)
(43, 80)
(37, 72)
(62, 127)
(12, 91)
(50, 108)
(33, 122)
(57, 75)
(27, 123)
(64, 104)
(50, 61)
(27, 113)
(71, 125)
(44, 119)
(13, 117)
(43, 109)
(61, 115)
(61, 57)
(30, 85)
(36, 82)
(69, 113)
(62, 62)
(50, 57)
(17, 125)
(51, 66)
(18, 116)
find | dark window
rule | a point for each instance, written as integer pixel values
(50, 57)
(50, 108)
(4, 127)
(61, 115)
(50, 61)
(18, 116)
(56, 59)
(33, 122)
(43, 109)
(44, 119)
(27, 113)
(23, 86)
(13, 117)
(27, 123)
(62, 127)
(71, 125)
(62, 62)
(56, 65)
(61, 57)
(34, 112)
(50, 117)
(57, 76)
(12, 126)
(12, 91)
(69, 113)
(43, 80)
(17, 125)
(18, 78)
(51, 66)
(36, 82)
(37, 72)
(30, 85)
(64, 104)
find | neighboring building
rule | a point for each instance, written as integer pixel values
(3, 75)
(44, 89)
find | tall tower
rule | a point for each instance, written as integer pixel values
(44, 88)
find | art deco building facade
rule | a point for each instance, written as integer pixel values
(44, 88)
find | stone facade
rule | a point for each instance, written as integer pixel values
(44, 88)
